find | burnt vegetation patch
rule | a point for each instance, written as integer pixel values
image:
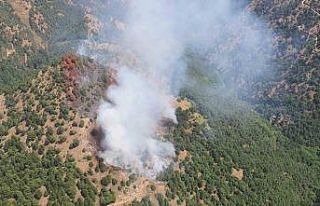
(98, 135)
(84, 83)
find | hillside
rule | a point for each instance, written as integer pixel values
(258, 144)
(238, 155)
(29, 31)
(233, 151)
(43, 132)
(238, 159)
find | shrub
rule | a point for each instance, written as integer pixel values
(3, 130)
(107, 197)
(81, 124)
(105, 181)
(75, 143)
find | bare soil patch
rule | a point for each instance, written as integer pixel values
(237, 173)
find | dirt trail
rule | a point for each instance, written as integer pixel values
(2, 99)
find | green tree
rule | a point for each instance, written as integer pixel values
(107, 197)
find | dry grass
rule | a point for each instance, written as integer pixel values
(183, 155)
(237, 173)
(184, 104)
(21, 9)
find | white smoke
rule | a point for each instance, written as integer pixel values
(158, 32)
(130, 123)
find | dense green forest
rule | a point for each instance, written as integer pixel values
(24, 174)
(277, 171)
(276, 168)
(237, 156)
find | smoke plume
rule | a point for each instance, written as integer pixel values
(158, 33)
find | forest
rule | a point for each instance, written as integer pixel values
(258, 145)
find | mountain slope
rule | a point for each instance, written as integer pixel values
(260, 146)
(46, 144)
